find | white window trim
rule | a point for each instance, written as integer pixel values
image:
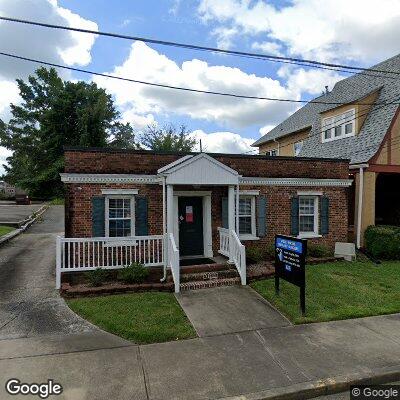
(106, 217)
(120, 192)
(250, 194)
(294, 147)
(342, 123)
(315, 233)
(268, 152)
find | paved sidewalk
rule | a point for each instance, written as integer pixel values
(229, 309)
(257, 363)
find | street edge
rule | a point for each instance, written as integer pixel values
(6, 238)
(323, 387)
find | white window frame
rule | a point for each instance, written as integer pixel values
(269, 152)
(294, 147)
(107, 219)
(338, 121)
(315, 232)
(253, 234)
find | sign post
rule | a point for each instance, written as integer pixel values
(290, 262)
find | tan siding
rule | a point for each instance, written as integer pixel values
(285, 144)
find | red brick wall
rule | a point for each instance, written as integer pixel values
(125, 162)
(79, 212)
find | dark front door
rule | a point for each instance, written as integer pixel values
(190, 219)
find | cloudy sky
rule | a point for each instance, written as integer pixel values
(357, 32)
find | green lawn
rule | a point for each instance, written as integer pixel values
(339, 290)
(141, 317)
(5, 229)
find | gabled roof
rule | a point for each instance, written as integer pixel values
(359, 148)
(199, 170)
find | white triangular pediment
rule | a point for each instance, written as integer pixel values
(199, 170)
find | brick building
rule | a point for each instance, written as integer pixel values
(184, 205)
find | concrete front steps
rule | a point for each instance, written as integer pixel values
(207, 276)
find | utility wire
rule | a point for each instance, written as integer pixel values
(304, 62)
(186, 89)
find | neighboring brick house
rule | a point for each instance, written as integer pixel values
(363, 126)
(190, 199)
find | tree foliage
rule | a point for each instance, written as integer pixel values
(168, 138)
(53, 114)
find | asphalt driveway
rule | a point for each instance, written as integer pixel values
(12, 214)
(29, 304)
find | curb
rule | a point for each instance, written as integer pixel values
(6, 238)
(323, 387)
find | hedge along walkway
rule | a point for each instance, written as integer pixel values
(141, 317)
(339, 290)
(5, 229)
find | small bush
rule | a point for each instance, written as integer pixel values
(318, 250)
(96, 277)
(134, 273)
(383, 242)
(57, 201)
(254, 255)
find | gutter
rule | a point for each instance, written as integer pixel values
(165, 253)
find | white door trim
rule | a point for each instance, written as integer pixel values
(207, 229)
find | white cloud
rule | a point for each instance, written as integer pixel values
(146, 64)
(265, 129)
(327, 30)
(223, 142)
(137, 121)
(224, 36)
(9, 93)
(268, 48)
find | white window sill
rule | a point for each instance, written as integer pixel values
(248, 237)
(308, 235)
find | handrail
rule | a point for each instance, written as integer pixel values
(173, 260)
(237, 253)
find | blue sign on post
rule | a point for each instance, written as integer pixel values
(290, 260)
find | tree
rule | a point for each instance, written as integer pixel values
(123, 136)
(55, 113)
(168, 138)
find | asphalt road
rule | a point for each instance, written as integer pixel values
(10, 213)
(29, 303)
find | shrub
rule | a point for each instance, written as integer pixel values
(254, 255)
(318, 250)
(96, 277)
(383, 242)
(134, 273)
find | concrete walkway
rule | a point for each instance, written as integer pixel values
(229, 309)
(42, 339)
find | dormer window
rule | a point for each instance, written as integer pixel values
(339, 126)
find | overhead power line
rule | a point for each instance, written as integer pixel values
(186, 89)
(269, 57)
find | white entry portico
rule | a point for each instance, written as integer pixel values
(201, 170)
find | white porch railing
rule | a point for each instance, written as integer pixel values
(231, 246)
(224, 241)
(173, 261)
(85, 254)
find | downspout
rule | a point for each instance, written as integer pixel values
(164, 231)
(360, 205)
(237, 210)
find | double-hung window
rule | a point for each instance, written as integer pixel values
(339, 126)
(308, 216)
(120, 216)
(247, 216)
(297, 147)
(271, 153)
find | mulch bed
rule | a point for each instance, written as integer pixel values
(261, 270)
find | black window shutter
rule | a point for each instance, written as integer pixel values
(98, 211)
(261, 216)
(324, 230)
(294, 213)
(225, 223)
(141, 227)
